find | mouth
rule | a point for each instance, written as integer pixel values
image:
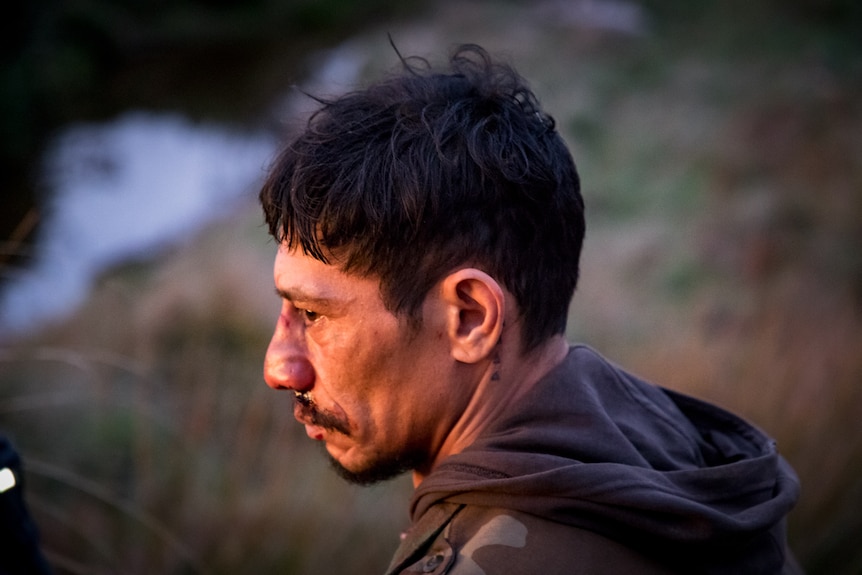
(317, 421)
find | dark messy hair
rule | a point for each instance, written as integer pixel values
(426, 171)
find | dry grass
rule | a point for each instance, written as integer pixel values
(152, 444)
(722, 259)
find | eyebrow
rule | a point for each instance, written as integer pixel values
(294, 295)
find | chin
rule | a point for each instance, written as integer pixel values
(376, 471)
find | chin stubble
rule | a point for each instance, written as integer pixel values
(378, 471)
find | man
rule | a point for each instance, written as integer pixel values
(429, 232)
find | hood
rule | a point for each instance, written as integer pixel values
(595, 447)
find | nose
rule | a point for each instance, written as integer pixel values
(286, 365)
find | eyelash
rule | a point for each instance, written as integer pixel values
(309, 316)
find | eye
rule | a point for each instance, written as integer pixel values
(309, 316)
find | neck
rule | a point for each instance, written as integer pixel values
(500, 382)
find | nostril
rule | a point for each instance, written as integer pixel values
(293, 372)
(300, 375)
(276, 386)
(271, 382)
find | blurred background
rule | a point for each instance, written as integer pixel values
(719, 145)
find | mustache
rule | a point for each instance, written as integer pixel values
(321, 418)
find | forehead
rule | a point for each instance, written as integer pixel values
(299, 276)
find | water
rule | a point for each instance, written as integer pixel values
(127, 189)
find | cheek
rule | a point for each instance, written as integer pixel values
(362, 366)
(341, 365)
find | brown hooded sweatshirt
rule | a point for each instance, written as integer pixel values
(600, 472)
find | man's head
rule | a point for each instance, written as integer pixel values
(427, 171)
(409, 215)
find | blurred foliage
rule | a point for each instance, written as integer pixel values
(720, 157)
(76, 60)
(152, 445)
(827, 29)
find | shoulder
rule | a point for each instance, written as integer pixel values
(482, 540)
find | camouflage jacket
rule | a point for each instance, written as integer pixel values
(598, 472)
(469, 540)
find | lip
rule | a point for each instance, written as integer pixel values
(314, 432)
(300, 413)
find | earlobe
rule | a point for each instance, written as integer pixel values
(476, 306)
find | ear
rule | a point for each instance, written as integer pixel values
(475, 310)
